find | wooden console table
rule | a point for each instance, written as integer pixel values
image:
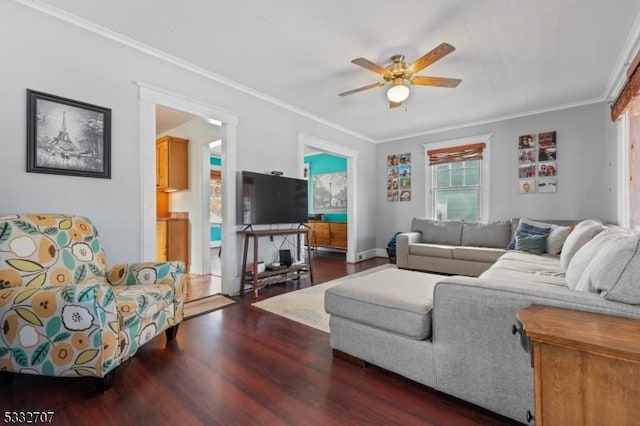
(586, 366)
(258, 279)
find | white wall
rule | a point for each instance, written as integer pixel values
(45, 54)
(586, 180)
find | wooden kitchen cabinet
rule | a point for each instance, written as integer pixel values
(172, 240)
(172, 164)
(586, 366)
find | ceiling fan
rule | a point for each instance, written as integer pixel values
(399, 74)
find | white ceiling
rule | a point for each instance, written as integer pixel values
(169, 118)
(514, 57)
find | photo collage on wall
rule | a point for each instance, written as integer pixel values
(399, 177)
(537, 163)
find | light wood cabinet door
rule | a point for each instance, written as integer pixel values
(172, 240)
(172, 163)
(161, 241)
(323, 235)
(338, 234)
(178, 240)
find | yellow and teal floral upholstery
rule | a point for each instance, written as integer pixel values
(63, 313)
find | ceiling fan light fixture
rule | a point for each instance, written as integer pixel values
(398, 93)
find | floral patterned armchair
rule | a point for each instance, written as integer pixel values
(62, 313)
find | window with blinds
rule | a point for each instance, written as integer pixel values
(456, 182)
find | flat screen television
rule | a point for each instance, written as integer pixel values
(268, 199)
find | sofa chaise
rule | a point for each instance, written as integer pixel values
(456, 333)
(63, 313)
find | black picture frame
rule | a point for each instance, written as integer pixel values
(67, 137)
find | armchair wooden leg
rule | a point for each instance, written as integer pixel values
(103, 384)
(172, 332)
(6, 378)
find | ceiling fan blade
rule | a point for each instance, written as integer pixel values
(435, 81)
(360, 89)
(429, 58)
(371, 66)
(394, 104)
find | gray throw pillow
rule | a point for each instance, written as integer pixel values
(492, 234)
(531, 243)
(617, 275)
(579, 270)
(581, 234)
(446, 232)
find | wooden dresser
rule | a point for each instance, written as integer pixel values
(586, 366)
(328, 234)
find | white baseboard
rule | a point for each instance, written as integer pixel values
(363, 255)
(380, 252)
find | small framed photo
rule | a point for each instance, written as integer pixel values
(392, 160)
(548, 153)
(405, 183)
(392, 184)
(527, 155)
(527, 141)
(547, 139)
(392, 195)
(547, 168)
(527, 170)
(404, 171)
(527, 186)
(405, 159)
(547, 185)
(67, 137)
(405, 195)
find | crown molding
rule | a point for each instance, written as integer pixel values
(618, 76)
(496, 119)
(616, 80)
(159, 54)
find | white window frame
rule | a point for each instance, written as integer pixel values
(485, 175)
(624, 169)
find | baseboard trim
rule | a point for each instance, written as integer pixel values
(364, 255)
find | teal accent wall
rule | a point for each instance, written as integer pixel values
(216, 232)
(325, 163)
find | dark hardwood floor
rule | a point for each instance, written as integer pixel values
(245, 366)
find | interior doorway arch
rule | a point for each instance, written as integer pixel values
(306, 141)
(150, 97)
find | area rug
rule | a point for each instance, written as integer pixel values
(205, 305)
(306, 306)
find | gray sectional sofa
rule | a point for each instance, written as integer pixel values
(457, 247)
(454, 333)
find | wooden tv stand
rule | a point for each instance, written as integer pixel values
(259, 279)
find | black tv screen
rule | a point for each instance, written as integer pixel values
(269, 199)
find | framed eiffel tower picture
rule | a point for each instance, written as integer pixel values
(67, 137)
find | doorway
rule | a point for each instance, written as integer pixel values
(215, 206)
(151, 97)
(307, 144)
